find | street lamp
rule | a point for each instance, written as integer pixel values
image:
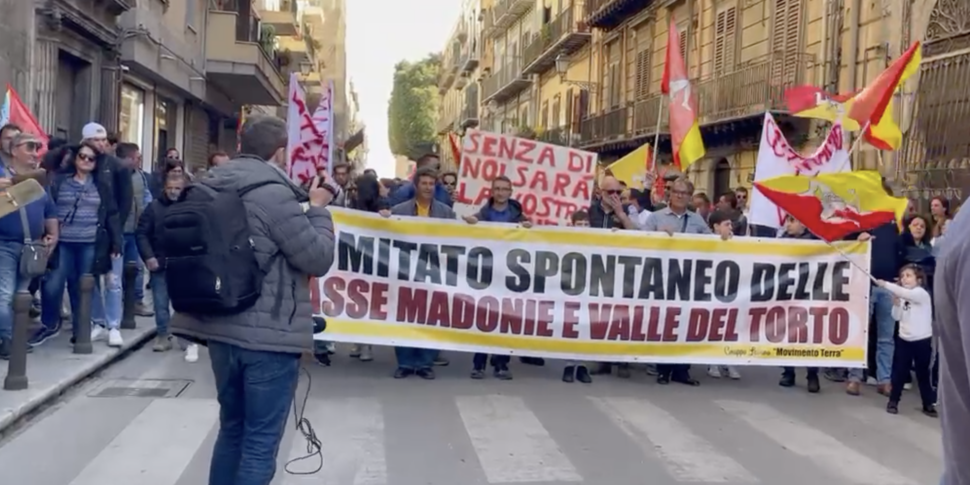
(305, 68)
(562, 68)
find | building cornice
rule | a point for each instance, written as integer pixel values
(62, 13)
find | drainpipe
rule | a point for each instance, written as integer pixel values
(827, 17)
(31, 58)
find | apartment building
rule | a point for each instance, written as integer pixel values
(458, 103)
(587, 73)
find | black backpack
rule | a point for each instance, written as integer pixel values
(210, 261)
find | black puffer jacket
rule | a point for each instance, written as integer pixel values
(150, 229)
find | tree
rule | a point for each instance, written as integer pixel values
(412, 111)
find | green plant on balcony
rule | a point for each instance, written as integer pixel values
(267, 37)
(546, 33)
(526, 131)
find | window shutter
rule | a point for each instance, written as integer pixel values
(556, 110)
(545, 115)
(570, 108)
(616, 91)
(725, 41)
(682, 34)
(786, 40)
(643, 75)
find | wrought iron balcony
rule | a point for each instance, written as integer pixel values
(284, 20)
(505, 83)
(506, 12)
(752, 88)
(565, 35)
(608, 14)
(469, 114)
(613, 124)
(557, 136)
(645, 113)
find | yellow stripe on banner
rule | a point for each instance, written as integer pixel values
(601, 239)
(366, 328)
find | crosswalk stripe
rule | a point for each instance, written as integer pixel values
(351, 433)
(511, 444)
(686, 456)
(903, 428)
(156, 446)
(802, 439)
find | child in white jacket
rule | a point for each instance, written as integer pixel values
(913, 309)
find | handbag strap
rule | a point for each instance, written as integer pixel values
(25, 224)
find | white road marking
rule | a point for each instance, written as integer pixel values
(352, 435)
(511, 443)
(927, 439)
(828, 453)
(686, 456)
(156, 446)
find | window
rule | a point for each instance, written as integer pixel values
(166, 113)
(786, 40)
(132, 121)
(725, 40)
(556, 110)
(545, 115)
(642, 79)
(614, 93)
(682, 36)
(570, 109)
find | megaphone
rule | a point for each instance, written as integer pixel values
(319, 324)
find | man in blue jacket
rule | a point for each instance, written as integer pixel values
(406, 192)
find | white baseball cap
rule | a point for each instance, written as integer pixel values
(93, 130)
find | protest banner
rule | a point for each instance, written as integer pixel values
(596, 295)
(550, 181)
(776, 158)
(309, 136)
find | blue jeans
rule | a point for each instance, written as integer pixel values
(10, 283)
(75, 259)
(160, 301)
(414, 358)
(130, 255)
(255, 391)
(881, 308)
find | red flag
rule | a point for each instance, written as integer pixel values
(21, 116)
(870, 104)
(685, 133)
(455, 141)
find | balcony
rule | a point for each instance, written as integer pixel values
(445, 123)
(608, 14)
(296, 48)
(237, 63)
(506, 12)
(645, 115)
(565, 35)
(505, 83)
(469, 113)
(310, 80)
(605, 127)
(284, 20)
(753, 88)
(556, 136)
(470, 57)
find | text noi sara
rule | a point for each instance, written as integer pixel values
(790, 302)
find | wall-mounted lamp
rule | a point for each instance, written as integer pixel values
(305, 68)
(562, 68)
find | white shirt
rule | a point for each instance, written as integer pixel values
(914, 312)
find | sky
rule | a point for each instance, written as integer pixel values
(379, 34)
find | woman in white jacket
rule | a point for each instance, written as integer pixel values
(913, 309)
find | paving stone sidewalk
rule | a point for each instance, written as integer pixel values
(53, 368)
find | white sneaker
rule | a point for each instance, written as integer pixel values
(98, 332)
(871, 381)
(908, 386)
(714, 372)
(114, 338)
(192, 353)
(733, 373)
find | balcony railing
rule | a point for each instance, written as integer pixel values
(607, 14)
(752, 88)
(469, 114)
(506, 12)
(445, 124)
(645, 115)
(505, 83)
(557, 136)
(469, 56)
(605, 127)
(564, 35)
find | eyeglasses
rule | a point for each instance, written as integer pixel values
(32, 146)
(85, 157)
(613, 192)
(680, 192)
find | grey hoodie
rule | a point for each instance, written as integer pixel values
(951, 299)
(291, 246)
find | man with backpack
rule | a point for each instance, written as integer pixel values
(240, 248)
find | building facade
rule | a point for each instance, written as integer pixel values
(587, 73)
(459, 92)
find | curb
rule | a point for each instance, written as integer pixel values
(84, 371)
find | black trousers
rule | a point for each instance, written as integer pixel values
(498, 361)
(674, 371)
(790, 371)
(913, 357)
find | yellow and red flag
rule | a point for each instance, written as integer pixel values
(454, 141)
(834, 205)
(870, 104)
(685, 133)
(812, 102)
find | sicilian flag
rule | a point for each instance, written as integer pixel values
(454, 141)
(685, 133)
(871, 107)
(834, 205)
(15, 111)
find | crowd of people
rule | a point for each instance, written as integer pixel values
(101, 210)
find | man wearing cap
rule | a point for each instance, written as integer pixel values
(119, 175)
(40, 220)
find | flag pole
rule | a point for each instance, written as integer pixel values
(656, 136)
(851, 261)
(855, 145)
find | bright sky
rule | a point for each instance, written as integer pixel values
(379, 34)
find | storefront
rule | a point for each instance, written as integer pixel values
(151, 118)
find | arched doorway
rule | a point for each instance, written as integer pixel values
(936, 150)
(722, 178)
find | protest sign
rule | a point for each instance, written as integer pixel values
(550, 181)
(776, 158)
(309, 137)
(597, 295)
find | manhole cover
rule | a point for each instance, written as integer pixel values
(150, 388)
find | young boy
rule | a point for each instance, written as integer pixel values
(148, 236)
(579, 218)
(796, 230)
(722, 225)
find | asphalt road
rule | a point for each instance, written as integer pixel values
(456, 431)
